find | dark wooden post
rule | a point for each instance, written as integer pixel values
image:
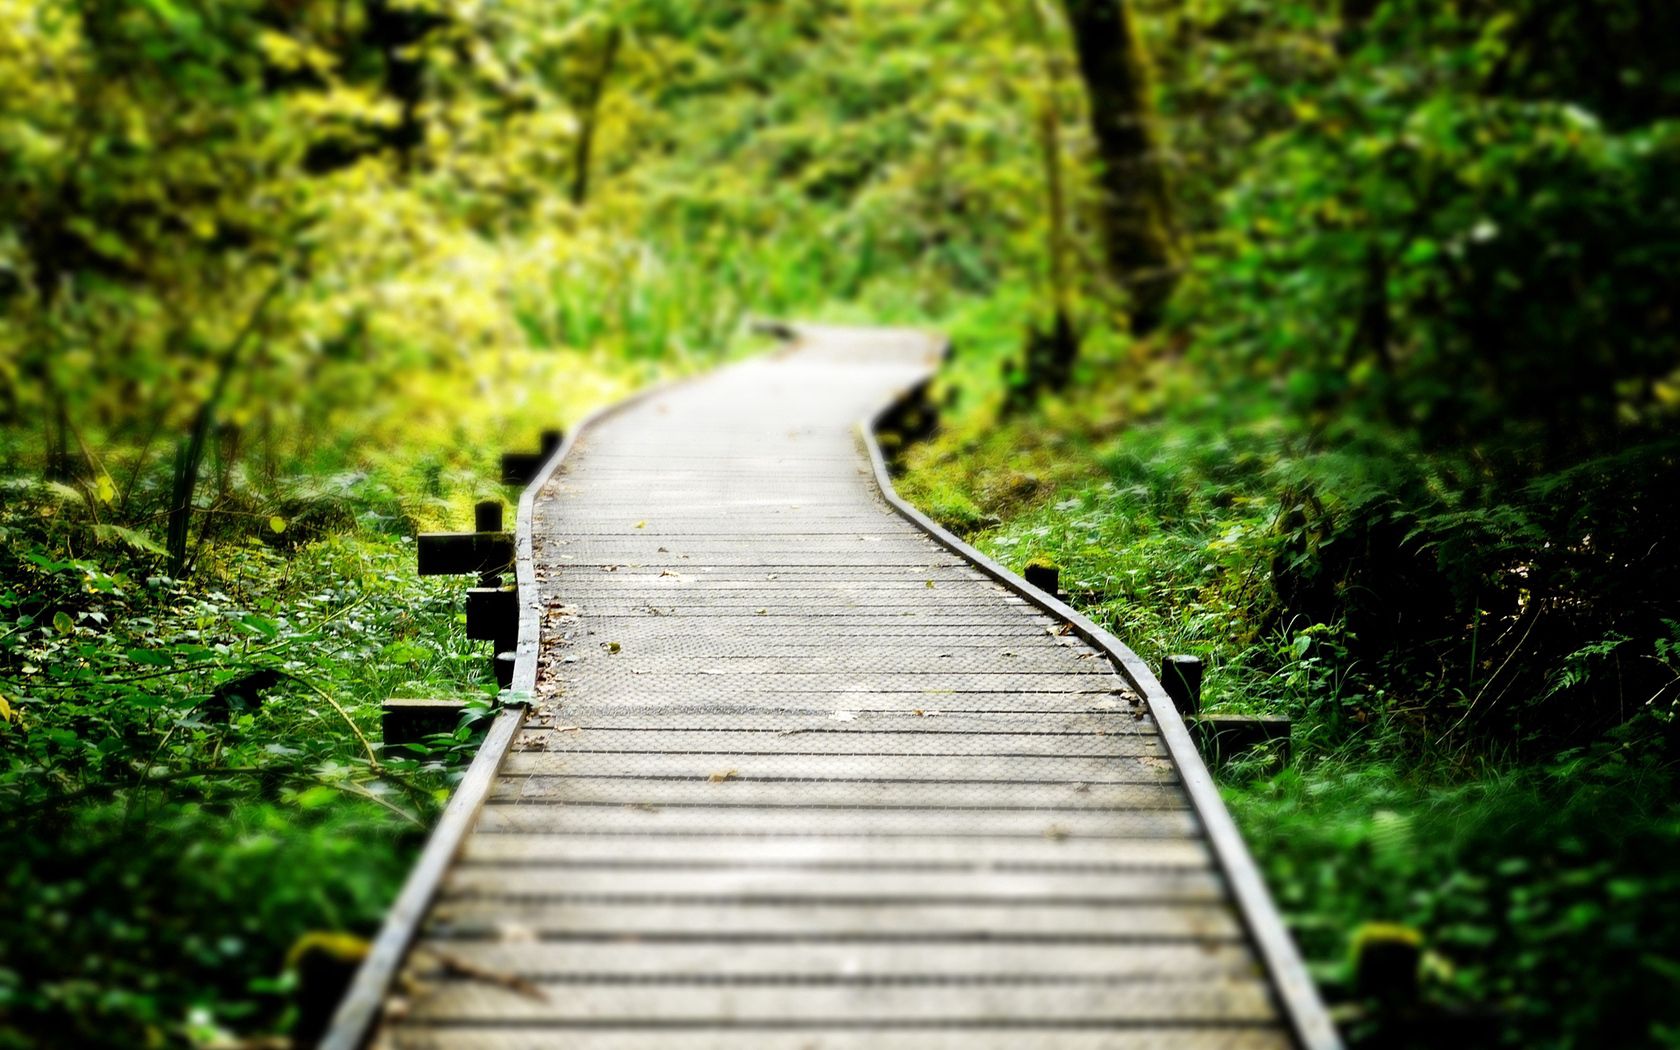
(551, 442)
(410, 721)
(487, 516)
(1181, 676)
(464, 553)
(1046, 578)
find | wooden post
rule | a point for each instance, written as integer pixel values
(551, 442)
(1046, 578)
(410, 721)
(1224, 737)
(487, 516)
(464, 553)
(504, 668)
(1181, 676)
(493, 613)
(520, 468)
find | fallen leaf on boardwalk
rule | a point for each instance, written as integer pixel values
(569, 659)
(611, 568)
(568, 729)
(462, 968)
(1006, 652)
(761, 612)
(1056, 833)
(1157, 763)
(926, 714)
(613, 647)
(720, 777)
(792, 732)
(641, 524)
(930, 585)
(643, 806)
(664, 550)
(844, 716)
(667, 572)
(1081, 788)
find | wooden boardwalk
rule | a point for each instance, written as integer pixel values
(798, 774)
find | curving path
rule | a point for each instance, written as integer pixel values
(800, 776)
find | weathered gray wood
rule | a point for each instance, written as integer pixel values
(798, 772)
(1117, 1003)
(1014, 1037)
(508, 883)
(975, 769)
(729, 960)
(555, 853)
(907, 921)
(837, 741)
(853, 823)
(725, 787)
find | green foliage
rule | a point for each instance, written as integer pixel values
(1398, 467)
(277, 278)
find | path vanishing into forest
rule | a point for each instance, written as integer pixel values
(802, 772)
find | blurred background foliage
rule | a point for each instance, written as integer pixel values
(1331, 340)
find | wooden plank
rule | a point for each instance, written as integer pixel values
(1111, 1003)
(731, 790)
(1178, 1036)
(977, 768)
(912, 921)
(511, 883)
(557, 853)
(862, 823)
(794, 716)
(1000, 746)
(728, 960)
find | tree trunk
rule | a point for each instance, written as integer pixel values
(1136, 218)
(589, 114)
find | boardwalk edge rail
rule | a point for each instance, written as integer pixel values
(359, 1012)
(1298, 998)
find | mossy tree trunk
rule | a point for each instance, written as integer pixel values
(1137, 224)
